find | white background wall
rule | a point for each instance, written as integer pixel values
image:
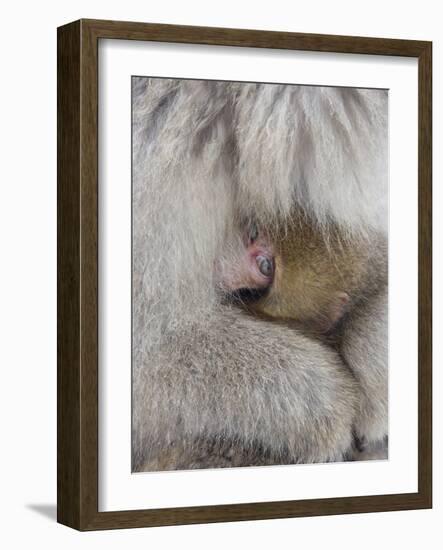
(28, 270)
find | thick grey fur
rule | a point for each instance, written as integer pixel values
(213, 386)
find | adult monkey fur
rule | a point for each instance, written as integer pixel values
(214, 386)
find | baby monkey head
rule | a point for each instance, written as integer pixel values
(297, 273)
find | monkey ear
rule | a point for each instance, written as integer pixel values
(337, 308)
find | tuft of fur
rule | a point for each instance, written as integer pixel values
(324, 149)
(206, 157)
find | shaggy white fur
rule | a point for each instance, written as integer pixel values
(206, 157)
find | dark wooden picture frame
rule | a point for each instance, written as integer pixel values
(77, 455)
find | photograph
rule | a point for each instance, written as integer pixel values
(259, 274)
(219, 292)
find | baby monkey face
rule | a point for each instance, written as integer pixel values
(298, 275)
(249, 264)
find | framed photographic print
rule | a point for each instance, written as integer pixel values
(244, 275)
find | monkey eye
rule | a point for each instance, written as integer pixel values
(265, 265)
(253, 232)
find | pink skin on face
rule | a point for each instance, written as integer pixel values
(254, 269)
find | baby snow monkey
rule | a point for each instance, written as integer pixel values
(301, 274)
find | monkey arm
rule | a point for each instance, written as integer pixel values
(238, 391)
